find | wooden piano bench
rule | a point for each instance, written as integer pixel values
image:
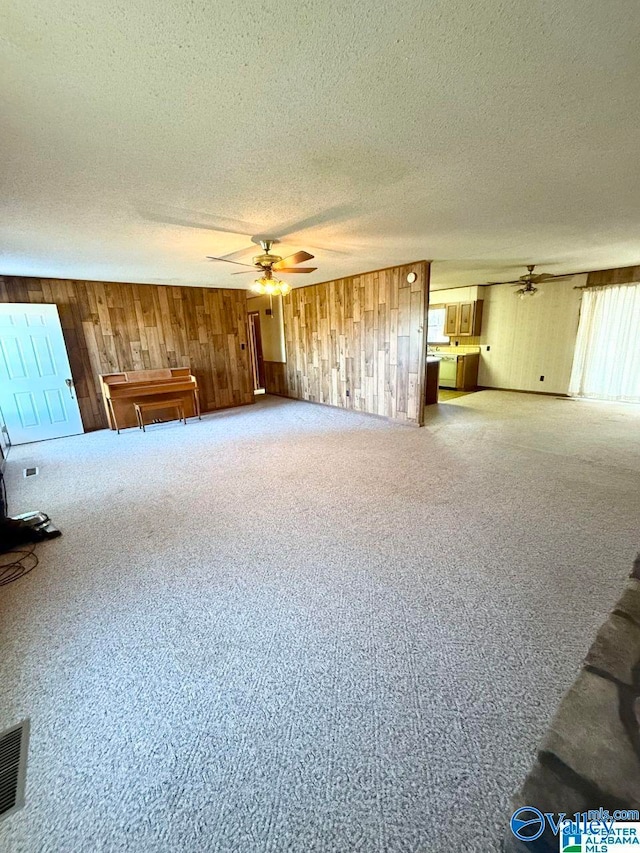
(141, 408)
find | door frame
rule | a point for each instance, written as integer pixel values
(255, 351)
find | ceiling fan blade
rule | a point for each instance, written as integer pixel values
(296, 258)
(289, 270)
(227, 261)
(254, 271)
(239, 254)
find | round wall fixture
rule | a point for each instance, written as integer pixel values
(412, 277)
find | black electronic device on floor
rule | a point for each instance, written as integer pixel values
(40, 523)
(24, 529)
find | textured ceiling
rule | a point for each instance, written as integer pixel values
(481, 134)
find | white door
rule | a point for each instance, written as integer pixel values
(37, 397)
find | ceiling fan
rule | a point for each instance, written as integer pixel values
(269, 263)
(527, 283)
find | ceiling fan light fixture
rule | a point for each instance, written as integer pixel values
(527, 291)
(270, 286)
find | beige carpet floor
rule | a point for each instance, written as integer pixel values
(291, 628)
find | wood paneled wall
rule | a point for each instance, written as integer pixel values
(275, 378)
(109, 327)
(359, 342)
(619, 275)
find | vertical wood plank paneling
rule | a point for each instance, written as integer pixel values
(275, 377)
(359, 342)
(619, 275)
(110, 327)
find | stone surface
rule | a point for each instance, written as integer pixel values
(588, 734)
(629, 602)
(512, 845)
(616, 649)
(544, 790)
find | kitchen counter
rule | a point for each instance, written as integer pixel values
(458, 370)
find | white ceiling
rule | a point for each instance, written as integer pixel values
(482, 134)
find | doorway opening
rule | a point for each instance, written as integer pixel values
(255, 350)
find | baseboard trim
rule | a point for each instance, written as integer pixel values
(522, 391)
(344, 409)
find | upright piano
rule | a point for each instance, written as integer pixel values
(121, 390)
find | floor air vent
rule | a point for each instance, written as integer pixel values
(13, 767)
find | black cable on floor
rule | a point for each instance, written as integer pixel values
(4, 504)
(16, 564)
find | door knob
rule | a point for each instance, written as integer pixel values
(69, 384)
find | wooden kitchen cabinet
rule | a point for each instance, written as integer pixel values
(452, 319)
(432, 376)
(463, 319)
(459, 371)
(467, 372)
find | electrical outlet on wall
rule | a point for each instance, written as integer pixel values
(542, 379)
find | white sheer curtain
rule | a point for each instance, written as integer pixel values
(606, 363)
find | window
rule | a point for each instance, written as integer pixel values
(606, 364)
(435, 325)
